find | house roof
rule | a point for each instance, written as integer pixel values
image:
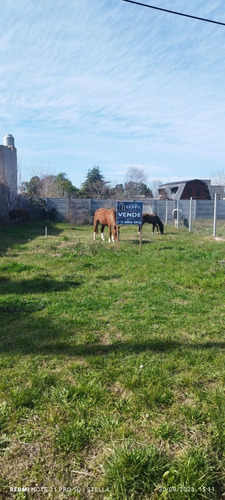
(176, 183)
(180, 185)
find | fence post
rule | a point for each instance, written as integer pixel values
(215, 216)
(166, 215)
(190, 214)
(177, 214)
(195, 211)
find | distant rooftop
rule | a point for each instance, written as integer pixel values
(175, 183)
(196, 188)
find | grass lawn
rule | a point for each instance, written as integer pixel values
(112, 364)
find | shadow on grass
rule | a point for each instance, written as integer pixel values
(168, 233)
(165, 248)
(21, 233)
(75, 228)
(137, 242)
(109, 277)
(32, 345)
(35, 285)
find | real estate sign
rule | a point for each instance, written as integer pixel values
(128, 212)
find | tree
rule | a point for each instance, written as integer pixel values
(135, 184)
(49, 186)
(144, 190)
(95, 185)
(64, 187)
(135, 175)
(117, 192)
(219, 181)
(32, 188)
(155, 184)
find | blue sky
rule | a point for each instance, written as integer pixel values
(112, 84)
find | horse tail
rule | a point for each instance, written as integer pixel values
(96, 221)
(115, 228)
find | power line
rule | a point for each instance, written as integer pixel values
(174, 12)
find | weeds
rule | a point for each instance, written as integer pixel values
(112, 364)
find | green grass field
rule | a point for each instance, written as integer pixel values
(112, 364)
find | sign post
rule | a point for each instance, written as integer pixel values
(130, 213)
(141, 238)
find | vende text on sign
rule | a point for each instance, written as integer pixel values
(128, 212)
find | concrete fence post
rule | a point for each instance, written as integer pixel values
(195, 210)
(166, 214)
(190, 214)
(215, 216)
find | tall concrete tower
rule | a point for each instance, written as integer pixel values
(8, 140)
(8, 175)
(8, 164)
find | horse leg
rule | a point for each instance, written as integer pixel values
(95, 228)
(110, 234)
(116, 233)
(102, 232)
(113, 233)
(153, 228)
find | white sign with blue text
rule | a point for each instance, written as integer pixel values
(128, 212)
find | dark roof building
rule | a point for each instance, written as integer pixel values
(184, 190)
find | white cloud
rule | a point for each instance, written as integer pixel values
(98, 81)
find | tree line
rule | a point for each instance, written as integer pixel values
(94, 186)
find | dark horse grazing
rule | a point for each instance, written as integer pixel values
(18, 213)
(154, 220)
(106, 217)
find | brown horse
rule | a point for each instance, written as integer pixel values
(154, 220)
(106, 217)
(18, 213)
